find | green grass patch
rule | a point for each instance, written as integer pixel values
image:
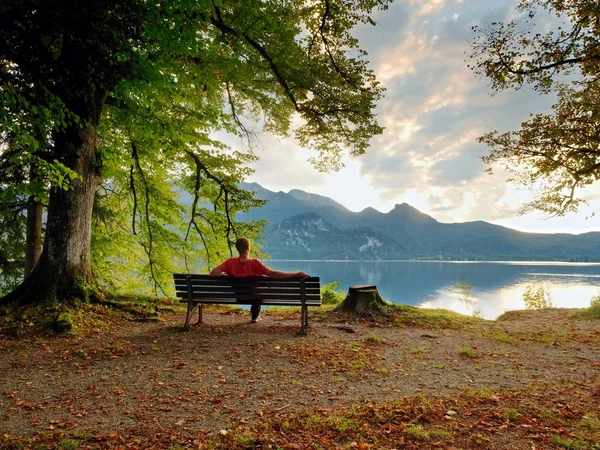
(509, 414)
(373, 339)
(69, 444)
(591, 313)
(404, 315)
(503, 338)
(590, 422)
(421, 434)
(468, 352)
(569, 444)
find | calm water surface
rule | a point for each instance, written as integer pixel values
(485, 288)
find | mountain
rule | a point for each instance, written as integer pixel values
(303, 225)
(309, 236)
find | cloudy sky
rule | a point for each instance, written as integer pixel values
(433, 111)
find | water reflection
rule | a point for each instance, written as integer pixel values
(487, 289)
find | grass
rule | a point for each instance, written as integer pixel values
(418, 433)
(509, 414)
(591, 313)
(591, 422)
(411, 316)
(503, 338)
(419, 351)
(69, 444)
(373, 339)
(569, 444)
(468, 352)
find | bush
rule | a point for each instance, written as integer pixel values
(537, 297)
(331, 295)
(593, 312)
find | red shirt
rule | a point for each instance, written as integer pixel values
(247, 268)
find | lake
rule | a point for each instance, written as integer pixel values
(487, 289)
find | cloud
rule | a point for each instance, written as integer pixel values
(434, 110)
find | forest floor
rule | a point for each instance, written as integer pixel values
(528, 381)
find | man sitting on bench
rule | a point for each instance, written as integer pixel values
(244, 266)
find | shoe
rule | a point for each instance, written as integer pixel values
(254, 319)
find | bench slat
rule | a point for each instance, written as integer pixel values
(196, 276)
(272, 302)
(264, 282)
(247, 280)
(248, 290)
(198, 296)
(257, 284)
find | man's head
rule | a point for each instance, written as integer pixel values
(242, 245)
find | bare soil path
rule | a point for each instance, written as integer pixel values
(151, 385)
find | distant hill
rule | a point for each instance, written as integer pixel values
(302, 225)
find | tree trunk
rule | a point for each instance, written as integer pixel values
(363, 301)
(64, 271)
(33, 246)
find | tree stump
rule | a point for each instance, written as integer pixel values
(363, 300)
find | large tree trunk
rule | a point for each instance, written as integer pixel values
(64, 269)
(33, 246)
(363, 301)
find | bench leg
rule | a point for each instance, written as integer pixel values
(303, 321)
(306, 317)
(200, 313)
(188, 316)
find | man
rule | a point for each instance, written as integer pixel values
(244, 266)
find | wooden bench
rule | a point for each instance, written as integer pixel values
(197, 290)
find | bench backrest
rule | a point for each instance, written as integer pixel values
(263, 290)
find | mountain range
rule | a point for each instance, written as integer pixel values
(302, 225)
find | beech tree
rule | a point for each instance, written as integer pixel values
(557, 153)
(112, 108)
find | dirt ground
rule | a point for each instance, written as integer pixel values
(143, 377)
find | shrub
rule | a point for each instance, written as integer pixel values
(537, 297)
(331, 295)
(593, 312)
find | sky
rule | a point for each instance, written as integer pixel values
(433, 111)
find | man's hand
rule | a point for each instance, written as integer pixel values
(282, 275)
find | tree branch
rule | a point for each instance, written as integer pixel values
(226, 29)
(147, 248)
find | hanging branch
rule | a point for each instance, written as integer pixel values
(236, 118)
(134, 193)
(147, 248)
(193, 218)
(200, 167)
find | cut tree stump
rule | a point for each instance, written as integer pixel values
(363, 300)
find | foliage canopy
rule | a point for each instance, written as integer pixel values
(555, 153)
(124, 104)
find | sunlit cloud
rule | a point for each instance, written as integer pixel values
(434, 110)
(426, 7)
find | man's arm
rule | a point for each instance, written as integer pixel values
(216, 272)
(281, 275)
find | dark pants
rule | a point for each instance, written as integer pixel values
(255, 311)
